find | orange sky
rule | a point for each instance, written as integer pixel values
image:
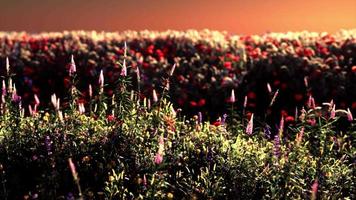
(235, 16)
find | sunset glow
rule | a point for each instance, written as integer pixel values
(235, 16)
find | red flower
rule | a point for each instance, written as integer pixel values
(353, 105)
(289, 119)
(150, 49)
(217, 123)
(180, 101)
(110, 92)
(276, 82)
(284, 113)
(110, 118)
(312, 122)
(193, 103)
(228, 65)
(201, 102)
(353, 69)
(251, 95)
(145, 65)
(309, 52)
(67, 82)
(298, 97)
(284, 86)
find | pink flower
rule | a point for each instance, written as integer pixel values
(349, 115)
(7, 66)
(232, 97)
(300, 135)
(245, 101)
(158, 158)
(55, 101)
(30, 110)
(172, 70)
(306, 81)
(274, 98)
(314, 189)
(138, 74)
(72, 169)
(332, 113)
(10, 85)
(311, 102)
(125, 49)
(161, 140)
(281, 125)
(37, 100)
(144, 180)
(90, 91)
(101, 81)
(72, 66)
(249, 128)
(15, 97)
(81, 108)
(296, 113)
(3, 88)
(124, 69)
(154, 96)
(269, 88)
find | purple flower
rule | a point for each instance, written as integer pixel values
(267, 131)
(70, 196)
(223, 119)
(200, 117)
(277, 146)
(15, 98)
(48, 144)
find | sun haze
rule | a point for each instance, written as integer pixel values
(235, 16)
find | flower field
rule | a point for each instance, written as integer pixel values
(177, 115)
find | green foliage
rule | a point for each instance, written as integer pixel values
(130, 150)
